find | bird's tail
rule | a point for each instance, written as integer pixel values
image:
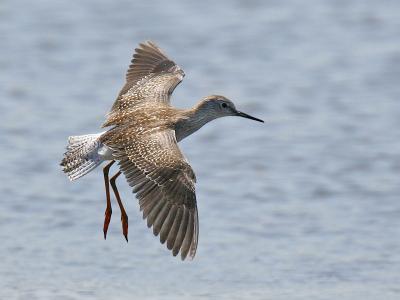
(82, 155)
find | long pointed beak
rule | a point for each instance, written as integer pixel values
(242, 114)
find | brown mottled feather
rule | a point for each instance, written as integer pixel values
(167, 225)
(174, 228)
(154, 212)
(181, 232)
(152, 77)
(158, 223)
(187, 241)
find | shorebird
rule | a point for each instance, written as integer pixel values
(142, 136)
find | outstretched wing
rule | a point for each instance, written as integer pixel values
(164, 185)
(152, 76)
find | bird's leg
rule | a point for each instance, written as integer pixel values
(124, 216)
(108, 212)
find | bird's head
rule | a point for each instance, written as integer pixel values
(221, 106)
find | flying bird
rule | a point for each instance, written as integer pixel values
(142, 135)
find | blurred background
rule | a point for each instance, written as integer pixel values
(305, 206)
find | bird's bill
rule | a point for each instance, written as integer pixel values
(242, 114)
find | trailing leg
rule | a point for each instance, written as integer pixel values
(124, 216)
(108, 212)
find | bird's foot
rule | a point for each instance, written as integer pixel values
(124, 221)
(107, 219)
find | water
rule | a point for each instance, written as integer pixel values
(305, 206)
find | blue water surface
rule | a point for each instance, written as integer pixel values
(305, 206)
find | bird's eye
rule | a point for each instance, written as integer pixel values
(224, 105)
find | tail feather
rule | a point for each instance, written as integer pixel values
(82, 155)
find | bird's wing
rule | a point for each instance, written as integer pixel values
(164, 184)
(152, 76)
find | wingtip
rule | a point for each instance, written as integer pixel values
(148, 43)
(187, 257)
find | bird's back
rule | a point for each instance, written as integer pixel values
(141, 120)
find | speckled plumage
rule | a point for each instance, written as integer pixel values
(143, 138)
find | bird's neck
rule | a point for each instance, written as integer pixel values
(192, 120)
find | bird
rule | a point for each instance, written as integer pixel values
(142, 132)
